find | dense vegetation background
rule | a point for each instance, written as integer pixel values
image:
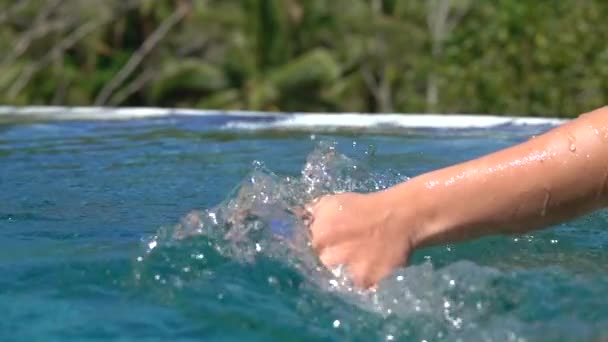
(503, 56)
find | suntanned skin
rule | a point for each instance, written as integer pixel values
(548, 179)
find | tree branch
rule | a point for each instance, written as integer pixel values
(137, 84)
(148, 45)
(10, 12)
(26, 40)
(39, 28)
(65, 44)
(370, 81)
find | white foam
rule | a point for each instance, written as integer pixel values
(53, 113)
(282, 120)
(353, 120)
(57, 113)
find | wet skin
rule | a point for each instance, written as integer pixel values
(548, 179)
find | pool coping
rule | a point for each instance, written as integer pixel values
(276, 120)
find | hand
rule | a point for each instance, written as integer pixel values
(361, 232)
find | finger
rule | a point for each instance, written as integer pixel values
(316, 240)
(306, 219)
(360, 275)
(334, 256)
(303, 213)
(297, 211)
(312, 206)
(306, 215)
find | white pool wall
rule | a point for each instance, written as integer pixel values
(279, 120)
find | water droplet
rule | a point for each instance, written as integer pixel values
(213, 217)
(571, 142)
(152, 244)
(337, 271)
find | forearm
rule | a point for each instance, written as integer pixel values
(551, 178)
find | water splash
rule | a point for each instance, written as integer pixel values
(252, 249)
(259, 218)
(256, 224)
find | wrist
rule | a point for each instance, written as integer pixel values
(415, 211)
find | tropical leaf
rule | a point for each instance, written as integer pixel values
(8, 73)
(500, 56)
(224, 99)
(314, 68)
(187, 75)
(271, 35)
(261, 95)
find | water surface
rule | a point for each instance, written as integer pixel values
(96, 241)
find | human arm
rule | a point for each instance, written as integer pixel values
(554, 177)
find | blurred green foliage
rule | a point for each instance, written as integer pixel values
(546, 57)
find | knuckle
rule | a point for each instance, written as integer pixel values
(360, 276)
(316, 242)
(327, 260)
(316, 245)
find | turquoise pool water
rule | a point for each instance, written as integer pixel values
(96, 240)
